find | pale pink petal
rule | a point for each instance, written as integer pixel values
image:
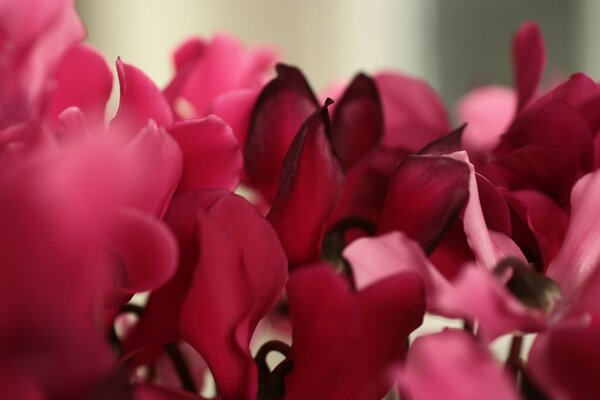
(452, 365)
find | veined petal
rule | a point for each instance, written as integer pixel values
(424, 197)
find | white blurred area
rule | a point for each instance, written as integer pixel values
(329, 40)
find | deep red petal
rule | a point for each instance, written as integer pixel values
(357, 124)
(344, 343)
(310, 186)
(424, 197)
(281, 108)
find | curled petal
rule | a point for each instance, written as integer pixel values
(250, 275)
(300, 209)
(424, 197)
(281, 108)
(212, 157)
(140, 102)
(452, 365)
(147, 250)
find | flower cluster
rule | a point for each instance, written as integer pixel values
(257, 216)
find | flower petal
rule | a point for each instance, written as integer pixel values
(301, 209)
(250, 275)
(84, 80)
(281, 108)
(564, 361)
(344, 343)
(452, 365)
(357, 124)
(140, 102)
(529, 61)
(424, 197)
(414, 115)
(212, 157)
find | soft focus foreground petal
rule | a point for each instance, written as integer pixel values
(84, 80)
(147, 250)
(529, 61)
(35, 35)
(310, 186)
(212, 157)
(279, 112)
(159, 166)
(488, 112)
(344, 343)
(564, 361)
(14, 386)
(240, 261)
(452, 365)
(424, 197)
(208, 70)
(140, 102)
(579, 257)
(357, 124)
(235, 108)
(414, 115)
(477, 295)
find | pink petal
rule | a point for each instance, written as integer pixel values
(348, 339)
(488, 112)
(160, 323)
(212, 157)
(357, 124)
(280, 110)
(414, 115)
(376, 258)
(529, 60)
(140, 102)
(250, 275)
(159, 161)
(147, 250)
(300, 209)
(424, 197)
(84, 80)
(477, 295)
(579, 256)
(564, 361)
(452, 365)
(235, 108)
(207, 70)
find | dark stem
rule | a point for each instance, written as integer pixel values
(113, 338)
(263, 352)
(513, 361)
(187, 381)
(468, 327)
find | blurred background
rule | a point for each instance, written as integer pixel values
(454, 45)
